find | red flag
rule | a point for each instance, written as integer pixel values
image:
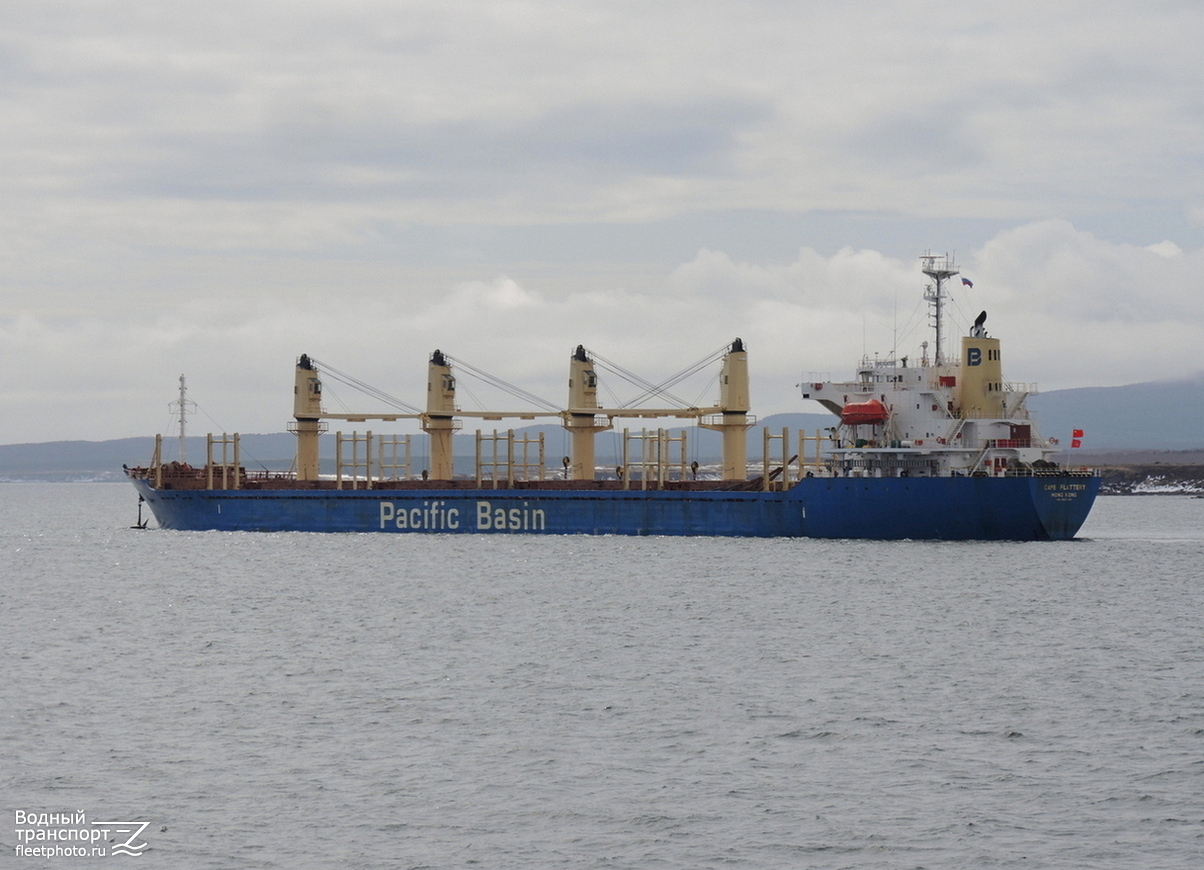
(1076, 443)
(1078, 433)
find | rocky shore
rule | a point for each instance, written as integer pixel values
(1148, 473)
(1152, 480)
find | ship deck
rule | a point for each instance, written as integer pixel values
(187, 478)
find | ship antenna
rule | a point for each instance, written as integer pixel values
(183, 405)
(940, 269)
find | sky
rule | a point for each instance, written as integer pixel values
(214, 189)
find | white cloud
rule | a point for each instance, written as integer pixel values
(215, 189)
(1052, 268)
(434, 111)
(1071, 309)
(1165, 248)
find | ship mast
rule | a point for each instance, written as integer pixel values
(182, 405)
(940, 269)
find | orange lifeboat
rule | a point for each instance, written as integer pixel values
(858, 413)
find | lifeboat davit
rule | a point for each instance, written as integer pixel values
(858, 413)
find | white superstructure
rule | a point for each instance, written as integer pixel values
(946, 416)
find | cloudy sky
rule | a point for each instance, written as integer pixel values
(213, 189)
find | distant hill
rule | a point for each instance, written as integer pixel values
(102, 460)
(1153, 417)
(1161, 415)
(74, 460)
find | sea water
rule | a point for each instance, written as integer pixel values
(382, 701)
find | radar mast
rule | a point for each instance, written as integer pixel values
(940, 268)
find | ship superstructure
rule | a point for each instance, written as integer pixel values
(945, 416)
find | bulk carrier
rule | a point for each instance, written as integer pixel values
(942, 449)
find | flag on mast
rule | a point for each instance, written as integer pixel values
(1076, 438)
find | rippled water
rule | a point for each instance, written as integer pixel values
(301, 700)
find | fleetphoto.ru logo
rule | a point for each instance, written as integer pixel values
(71, 835)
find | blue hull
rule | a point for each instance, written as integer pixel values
(943, 508)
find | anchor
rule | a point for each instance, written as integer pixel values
(141, 522)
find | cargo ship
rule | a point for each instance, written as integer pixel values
(939, 448)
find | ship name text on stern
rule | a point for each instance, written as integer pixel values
(1065, 491)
